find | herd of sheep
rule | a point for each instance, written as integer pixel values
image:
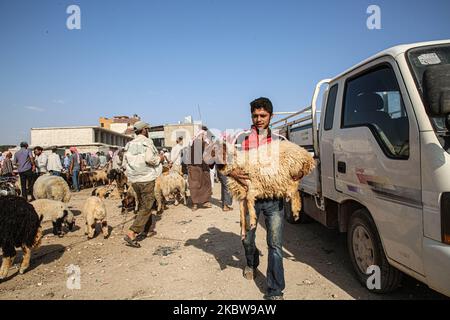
(21, 221)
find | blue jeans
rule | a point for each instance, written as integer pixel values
(55, 173)
(226, 198)
(273, 211)
(75, 175)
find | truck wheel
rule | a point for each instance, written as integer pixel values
(365, 249)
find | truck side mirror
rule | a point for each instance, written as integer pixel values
(436, 89)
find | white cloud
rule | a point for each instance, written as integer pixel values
(35, 109)
(59, 101)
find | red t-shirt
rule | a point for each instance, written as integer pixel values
(252, 140)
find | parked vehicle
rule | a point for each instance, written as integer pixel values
(383, 162)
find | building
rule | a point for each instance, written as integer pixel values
(185, 130)
(164, 136)
(85, 138)
(120, 124)
(157, 135)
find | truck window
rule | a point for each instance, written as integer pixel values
(329, 112)
(374, 100)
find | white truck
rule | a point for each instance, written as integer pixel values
(383, 162)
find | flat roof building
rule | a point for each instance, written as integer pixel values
(85, 138)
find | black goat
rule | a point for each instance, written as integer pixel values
(20, 226)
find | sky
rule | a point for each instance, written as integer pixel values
(167, 59)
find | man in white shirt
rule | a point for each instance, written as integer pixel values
(143, 164)
(54, 165)
(41, 160)
(175, 156)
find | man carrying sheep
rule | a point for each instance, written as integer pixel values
(143, 164)
(272, 209)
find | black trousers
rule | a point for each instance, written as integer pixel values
(26, 183)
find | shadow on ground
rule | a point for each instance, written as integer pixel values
(226, 247)
(43, 255)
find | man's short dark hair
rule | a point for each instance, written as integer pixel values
(39, 148)
(262, 103)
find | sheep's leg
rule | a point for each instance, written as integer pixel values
(183, 196)
(13, 258)
(296, 205)
(105, 229)
(6, 264)
(26, 259)
(9, 254)
(90, 229)
(243, 211)
(251, 211)
(159, 202)
(176, 196)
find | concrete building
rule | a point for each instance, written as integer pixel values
(157, 135)
(119, 124)
(164, 136)
(85, 138)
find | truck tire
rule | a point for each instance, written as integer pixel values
(365, 249)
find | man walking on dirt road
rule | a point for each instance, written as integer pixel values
(272, 209)
(143, 165)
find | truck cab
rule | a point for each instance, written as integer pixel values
(382, 148)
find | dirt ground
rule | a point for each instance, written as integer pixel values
(195, 255)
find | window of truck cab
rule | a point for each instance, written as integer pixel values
(330, 107)
(373, 99)
(419, 60)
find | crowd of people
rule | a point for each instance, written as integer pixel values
(29, 164)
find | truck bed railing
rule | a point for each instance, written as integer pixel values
(307, 116)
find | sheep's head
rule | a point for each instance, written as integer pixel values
(128, 203)
(69, 219)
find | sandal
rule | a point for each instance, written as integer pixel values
(207, 205)
(131, 243)
(143, 236)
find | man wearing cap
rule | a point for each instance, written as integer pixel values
(143, 164)
(26, 168)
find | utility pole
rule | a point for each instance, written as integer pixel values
(200, 113)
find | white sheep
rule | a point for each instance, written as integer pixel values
(51, 187)
(57, 212)
(169, 185)
(95, 211)
(271, 170)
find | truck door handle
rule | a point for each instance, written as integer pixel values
(342, 167)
